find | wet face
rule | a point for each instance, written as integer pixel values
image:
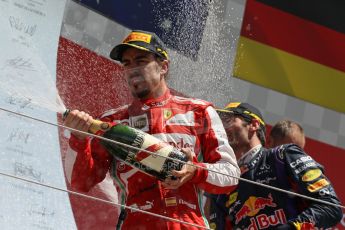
(144, 73)
(237, 131)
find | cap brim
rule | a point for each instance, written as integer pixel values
(116, 52)
(224, 111)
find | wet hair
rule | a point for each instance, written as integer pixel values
(262, 135)
(160, 60)
(283, 128)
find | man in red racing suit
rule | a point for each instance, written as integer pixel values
(179, 121)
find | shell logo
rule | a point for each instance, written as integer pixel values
(311, 175)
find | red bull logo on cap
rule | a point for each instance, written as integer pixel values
(253, 205)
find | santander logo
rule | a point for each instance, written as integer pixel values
(181, 143)
(177, 140)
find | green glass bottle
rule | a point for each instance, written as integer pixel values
(156, 165)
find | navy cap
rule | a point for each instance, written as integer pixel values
(143, 40)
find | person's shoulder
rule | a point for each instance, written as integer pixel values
(288, 151)
(191, 101)
(114, 112)
(291, 148)
(285, 147)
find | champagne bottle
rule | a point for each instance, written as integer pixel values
(155, 165)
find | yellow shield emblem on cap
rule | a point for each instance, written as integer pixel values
(233, 105)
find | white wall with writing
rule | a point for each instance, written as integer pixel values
(29, 148)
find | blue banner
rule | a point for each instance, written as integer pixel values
(179, 24)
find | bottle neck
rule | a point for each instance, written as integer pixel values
(98, 125)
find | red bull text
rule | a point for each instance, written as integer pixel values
(251, 208)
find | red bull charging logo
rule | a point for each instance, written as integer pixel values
(253, 205)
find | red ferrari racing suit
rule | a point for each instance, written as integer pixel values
(181, 122)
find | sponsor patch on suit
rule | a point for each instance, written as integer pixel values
(185, 119)
(140, 122)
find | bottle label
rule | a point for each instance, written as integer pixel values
(154, 145)
(139, 139)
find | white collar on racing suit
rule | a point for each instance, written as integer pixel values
(245, 158)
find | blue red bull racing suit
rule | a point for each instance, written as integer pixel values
(287, 167)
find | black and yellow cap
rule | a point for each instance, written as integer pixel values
(143, 40)
(243, 109)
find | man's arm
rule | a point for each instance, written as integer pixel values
(218, 157)
(91, 165)
(308, 175)
(92, 161)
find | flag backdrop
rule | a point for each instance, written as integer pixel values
(295, 48)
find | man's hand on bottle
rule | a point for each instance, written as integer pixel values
(78, 120)
(185, 174)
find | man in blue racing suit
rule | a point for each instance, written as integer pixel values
(287, 167)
